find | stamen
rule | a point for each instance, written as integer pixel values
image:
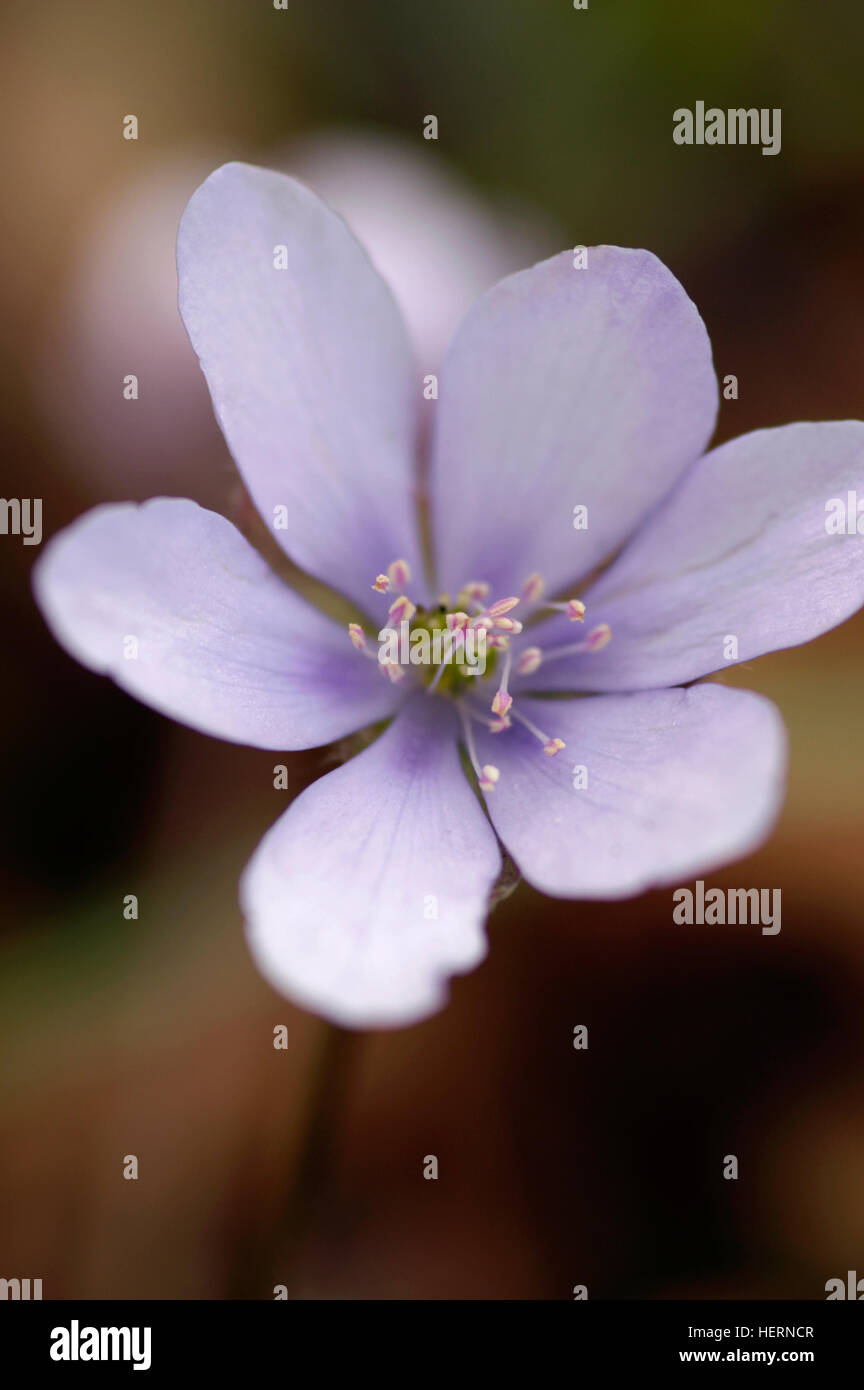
(457, 626)
(503, 699)
(451, 636)
(358, 641)
(533, 588)
(574, 609)
(447, 633)
(495, 726)
(473, 593)
(528, 661)
(598, 638)
(488, 774)
(500, 607)
(399, 574)
(402, 609)
(551, 746)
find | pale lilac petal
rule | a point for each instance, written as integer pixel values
(372, 887)
(678, 783)
(565, 387)
(310, 369)
(223, 645)
(739, 551)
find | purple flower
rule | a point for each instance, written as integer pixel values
(575, 405)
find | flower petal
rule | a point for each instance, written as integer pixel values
(223, 645)
(566, 387)
(372, 888)
(740, 550)
(310, 369)
(678, 781)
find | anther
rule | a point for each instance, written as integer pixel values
(488, 774)
(528, 661)
(574, 609)
(500, 607)
(399, 574)
(488, 777)
(551, 746)
(457, 622)
(533, 588)
(598, 638)
(503, 699)
(402, 609)
(474, 592)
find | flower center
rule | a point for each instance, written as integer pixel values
(453, 649)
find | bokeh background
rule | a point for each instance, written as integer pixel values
(154, 1037)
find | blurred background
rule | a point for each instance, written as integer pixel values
(155, 1037)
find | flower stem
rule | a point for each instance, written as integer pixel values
(280, 1255)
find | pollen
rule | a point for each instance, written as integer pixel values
(399, 574)
(528, 661)
(402, 609)
(598, 638)
(489, 775)
(533, 588)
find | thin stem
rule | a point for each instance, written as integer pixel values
(279, 1256)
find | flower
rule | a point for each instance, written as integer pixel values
(574, 409)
